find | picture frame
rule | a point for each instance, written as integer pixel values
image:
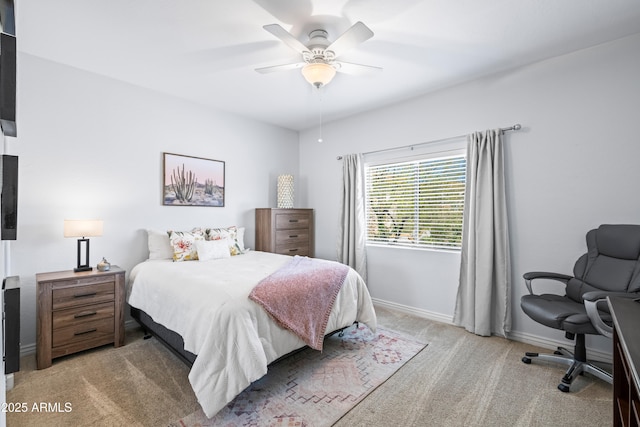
(192, 181)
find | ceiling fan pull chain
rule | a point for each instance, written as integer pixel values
(320, 103)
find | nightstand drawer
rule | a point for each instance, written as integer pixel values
(82, 295)
(86, 331)
(84, 314)
(288, 221)
(292, 237)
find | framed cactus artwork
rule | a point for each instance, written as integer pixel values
(192, 181)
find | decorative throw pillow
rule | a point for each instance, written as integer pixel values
(159, 245)
(240, 239)
(183, 243)
(230, 233)
(212, 249)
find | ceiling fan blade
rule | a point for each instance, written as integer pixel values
(355, 35)
(286, 37)
(356, 69)
(284, 67)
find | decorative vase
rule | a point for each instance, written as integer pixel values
(104, 265)
(285, 191)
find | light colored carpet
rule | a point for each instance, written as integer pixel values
(460, 380)
(312, 388)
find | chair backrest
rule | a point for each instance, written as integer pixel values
(612, 262)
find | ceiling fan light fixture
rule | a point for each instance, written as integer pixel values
(318, 73)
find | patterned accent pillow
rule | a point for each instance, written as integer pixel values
(230, 233)
(183, 244)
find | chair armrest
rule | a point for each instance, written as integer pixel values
(528, 277)
(594, 316)
(598, 295)
(591, 301)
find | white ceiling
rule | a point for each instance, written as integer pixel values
(206, 50)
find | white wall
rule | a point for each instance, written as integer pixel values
(572, 167)
(91, 147)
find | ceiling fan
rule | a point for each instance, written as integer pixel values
(319, 64)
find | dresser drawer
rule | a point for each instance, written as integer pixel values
(85, 331)
(290, 237)
(82, 295)
(289, 221)
(293, 249)
(84, 314)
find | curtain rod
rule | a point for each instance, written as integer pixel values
(517, 126)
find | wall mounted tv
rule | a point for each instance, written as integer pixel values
(8, 84)
(8, 68)
(9, 197)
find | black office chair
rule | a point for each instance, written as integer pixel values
(611, 267)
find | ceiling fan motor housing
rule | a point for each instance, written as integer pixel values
(317, 48)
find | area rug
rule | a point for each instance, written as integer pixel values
(315, 389)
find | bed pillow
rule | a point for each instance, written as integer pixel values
(229, 233)
(212, 249)
(183, 244)
(159, 245)
(240, 239)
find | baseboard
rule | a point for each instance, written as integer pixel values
(27, 349)
(425, 314)
(526, 338)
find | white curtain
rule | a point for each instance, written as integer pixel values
(352, 228)
(483, 302)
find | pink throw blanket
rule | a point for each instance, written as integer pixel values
(300, 296)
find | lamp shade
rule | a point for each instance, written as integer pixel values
(318, 73)
(82, 228)
(285, 191)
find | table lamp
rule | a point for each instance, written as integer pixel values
(83, 229)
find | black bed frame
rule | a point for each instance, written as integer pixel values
(172, 340)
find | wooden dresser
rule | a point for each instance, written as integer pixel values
(285, 231)
(78, 311)
(626, 361)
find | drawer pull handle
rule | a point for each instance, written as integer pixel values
(293, 250)
(85, 314)
(293, 236)
(293, 220)
(90, 294)
(86, 332)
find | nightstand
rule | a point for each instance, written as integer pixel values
(78, 311)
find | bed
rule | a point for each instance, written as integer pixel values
(202, 310)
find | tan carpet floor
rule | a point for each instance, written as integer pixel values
(459, 380)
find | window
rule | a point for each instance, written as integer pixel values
(416, 203)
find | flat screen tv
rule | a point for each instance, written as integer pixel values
(8, 84)
(9, 197)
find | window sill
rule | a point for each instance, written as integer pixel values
(411, 248)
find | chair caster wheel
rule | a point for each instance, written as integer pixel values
(526, 360)
(563, 388)
(558, 352)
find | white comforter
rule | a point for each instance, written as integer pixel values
(233, 337)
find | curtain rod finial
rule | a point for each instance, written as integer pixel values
(517, 126)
